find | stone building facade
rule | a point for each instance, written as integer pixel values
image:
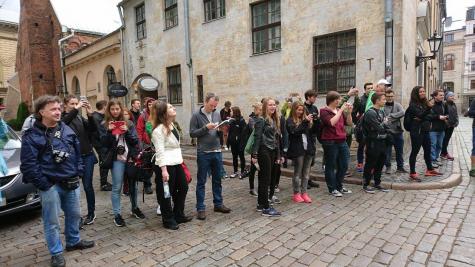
(244, 50)
(468, 63)
(87, 69)
(8, 45)
(453, 65)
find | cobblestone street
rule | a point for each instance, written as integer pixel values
(399, 228)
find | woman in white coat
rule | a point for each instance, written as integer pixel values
(169, 173)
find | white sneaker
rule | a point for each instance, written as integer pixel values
(159, 212)
(336, 193)
(346, 191)
(275, 200)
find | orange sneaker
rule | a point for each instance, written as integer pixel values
(306, 198)
(432, 173)
(297, 197)
(415, 177)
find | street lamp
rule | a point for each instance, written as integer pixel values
(111, 76)
(434, 45)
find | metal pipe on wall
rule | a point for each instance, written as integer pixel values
(389, 39)
(122, 52)
(61, 57)
(189, 61)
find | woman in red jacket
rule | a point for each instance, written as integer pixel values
(144, 137)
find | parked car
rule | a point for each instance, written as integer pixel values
(15, 195)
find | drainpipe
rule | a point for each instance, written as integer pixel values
(388, 37)
(189, 61)
(122, 47)
(61, 57)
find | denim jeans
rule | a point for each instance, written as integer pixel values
(118, 169)
(301, 173)
(436, 140)
(334, 152)
(89, 160)
(398, 144)
(209, 162)
(52, 201)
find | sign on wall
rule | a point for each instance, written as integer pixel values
(149, 83)
(117, 90)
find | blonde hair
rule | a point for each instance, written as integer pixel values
(269, 117)
(293, 112)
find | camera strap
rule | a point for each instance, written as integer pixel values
(57, 133)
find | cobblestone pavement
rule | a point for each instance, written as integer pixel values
(399, 228)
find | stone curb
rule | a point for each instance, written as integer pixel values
(451, 181)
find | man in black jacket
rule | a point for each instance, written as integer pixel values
(135, 109)
(375, 128)
(98, 117)
(83, 129)
(437, 130)
(358, 112)
(310, 99)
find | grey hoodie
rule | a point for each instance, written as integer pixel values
(208, 140)
(394, 113)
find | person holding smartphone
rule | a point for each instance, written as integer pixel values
(439, 124)
(120, 139)
(84, 129)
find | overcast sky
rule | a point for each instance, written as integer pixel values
(91, 15)
(102, 15)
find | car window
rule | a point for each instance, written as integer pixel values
(8, 139)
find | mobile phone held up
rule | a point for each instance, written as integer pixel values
(83, 98)
(117, 129)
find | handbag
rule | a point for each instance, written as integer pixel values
(187, 172)
(249, 144)
(107, 160)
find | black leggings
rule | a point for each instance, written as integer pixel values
(252, 174)
(418, 140)
(178, 190)
(447, 136)
(238, 152)
(266, 159)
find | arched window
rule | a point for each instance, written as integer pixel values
(76, 88)
(449, 62)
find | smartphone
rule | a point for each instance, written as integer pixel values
(83, 98)
(117, 130)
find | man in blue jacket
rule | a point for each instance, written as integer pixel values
(51, 161)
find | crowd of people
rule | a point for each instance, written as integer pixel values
(59, 143)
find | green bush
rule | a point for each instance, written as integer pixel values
(22, 114)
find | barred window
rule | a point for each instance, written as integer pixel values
(334, 62)
(140, 22)
(200, 94)
(266, 34)
(214, 9)
(171, 14)
(174, 85)
(449, 62)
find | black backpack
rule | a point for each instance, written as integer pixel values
(407, 120)
(359, 132)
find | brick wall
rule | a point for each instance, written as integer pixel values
(38, 64)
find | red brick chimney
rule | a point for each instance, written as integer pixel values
(38, 62)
